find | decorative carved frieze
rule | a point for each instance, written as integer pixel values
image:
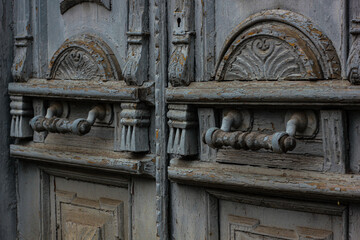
(67, 4)
(181, 65)
(135, 70)
(183, 124)
(84, 57)
(353, 64)
(132, 127)
(21, 112)
(277, 45)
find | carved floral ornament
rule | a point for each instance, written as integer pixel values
(84, 58)
(278, 45)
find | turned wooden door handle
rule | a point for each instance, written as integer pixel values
(54, 124)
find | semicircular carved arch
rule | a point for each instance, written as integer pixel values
(84, 57)
(278, 45)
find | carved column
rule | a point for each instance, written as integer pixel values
(22, 112)
(353, 65)
(132, 128)
(21, 68)
(135, 71)
(183, 137)
(181, 66)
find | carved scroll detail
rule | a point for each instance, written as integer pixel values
(21, 68)
(182, 54)
(353, 64)
(183, 130)
(135, 70)
(22, 112)
(84, 58)
(67, 4)
(277, 45)
(131, 129)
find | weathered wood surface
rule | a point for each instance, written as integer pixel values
(104, 160)
(272, 160)
(300, 184)
(7, 166)
(83, 90)
(299, 93)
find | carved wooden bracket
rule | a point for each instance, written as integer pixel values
(181, 64)
(22, 112)
(301, 123)
(135, 70)
(67, 4)
(353, 63)
(183, 130)
(132, 128)
(21, 68)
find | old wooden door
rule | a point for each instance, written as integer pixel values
(187, 119)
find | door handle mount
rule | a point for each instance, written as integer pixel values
(298, 124)
(55, 120)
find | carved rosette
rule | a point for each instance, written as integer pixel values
(181, 65)
(21, 112)
(135, 70)
(132, 128)
(353, 64)
(278, 45)
(84, 57)
(183, 130)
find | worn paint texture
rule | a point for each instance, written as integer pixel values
(7, 171)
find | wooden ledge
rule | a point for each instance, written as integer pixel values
(88, 158)
(113, 91)
(276, 182)
(292, 93)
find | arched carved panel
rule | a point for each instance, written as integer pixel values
(277, 45)
(84, 58)
(67, 4)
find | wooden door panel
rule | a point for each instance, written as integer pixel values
(82, 210)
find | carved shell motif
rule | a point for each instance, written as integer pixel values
(278, 45)
(84, 58)
(76, 64)
(266, 59)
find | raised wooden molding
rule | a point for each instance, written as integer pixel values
(284, 93)
(136, 69)
(181, 65)
(299, 184)
(277, 45)
(67, 4)
(86, 158)
(113, 91)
